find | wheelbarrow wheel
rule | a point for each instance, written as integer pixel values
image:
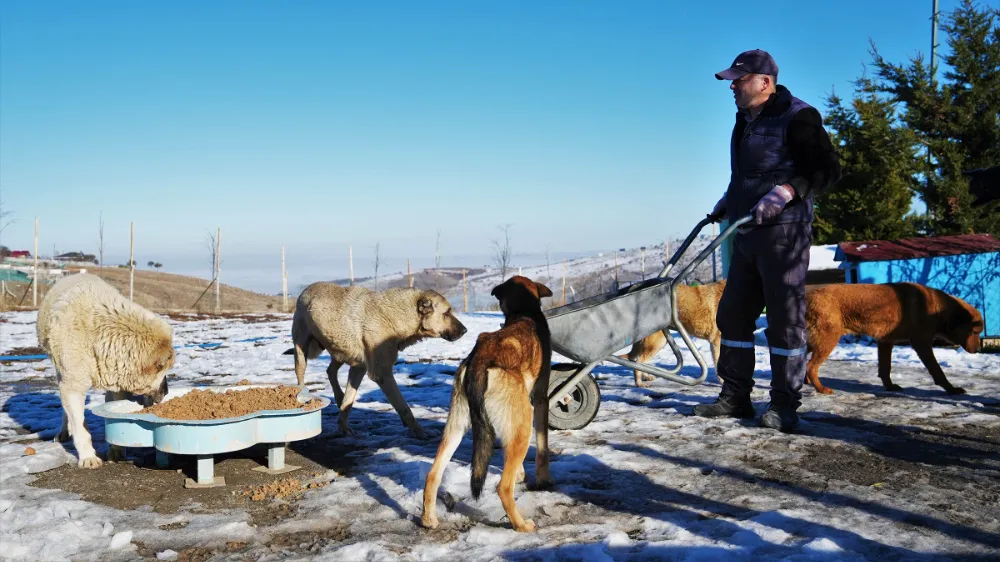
(580, 407)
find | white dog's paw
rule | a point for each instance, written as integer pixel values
(116, 453)
(90, 462)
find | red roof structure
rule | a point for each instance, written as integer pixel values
(913, 248)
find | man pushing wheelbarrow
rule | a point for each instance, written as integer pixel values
(780, 158)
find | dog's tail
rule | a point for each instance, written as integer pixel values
(483, 436)
(312, 351)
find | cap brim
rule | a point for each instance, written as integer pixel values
(731, 74)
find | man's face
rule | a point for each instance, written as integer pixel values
(748, 90)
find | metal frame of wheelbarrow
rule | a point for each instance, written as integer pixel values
(590, 331)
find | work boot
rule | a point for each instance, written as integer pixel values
(780, 416)
(727, 405)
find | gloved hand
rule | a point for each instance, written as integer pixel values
(771, 204)
(719, 212)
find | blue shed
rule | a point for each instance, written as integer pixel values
(966, 266)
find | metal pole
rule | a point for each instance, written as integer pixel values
(564, 281)
(218, 268)
(34, 282)
(715, 277)
(131, 259)
(934, 18)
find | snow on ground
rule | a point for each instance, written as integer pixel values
(871, 474)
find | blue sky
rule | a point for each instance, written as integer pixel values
(585, 125)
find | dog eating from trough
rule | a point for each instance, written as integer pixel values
(97, 338)
(493, 392)
(366, 330)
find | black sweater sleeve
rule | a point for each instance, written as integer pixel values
(817, 165)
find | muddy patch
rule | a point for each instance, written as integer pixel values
(137, 482)
(964, 460)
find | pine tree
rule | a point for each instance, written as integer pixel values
(957, 119)
(879, 163)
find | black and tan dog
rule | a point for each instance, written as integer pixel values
(493, 390)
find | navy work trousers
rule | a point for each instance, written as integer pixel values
(768, 268)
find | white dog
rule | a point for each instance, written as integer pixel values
(96, 338)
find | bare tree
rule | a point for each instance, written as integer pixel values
(437, 259)
(502, 252)
(4, 213)
(100, 239)
(378, 259)
(548, 258)
(210, 241)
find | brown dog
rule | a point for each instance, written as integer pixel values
(696, 307)
(888, 313)
(493, 389)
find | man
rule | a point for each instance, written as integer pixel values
(780, 158)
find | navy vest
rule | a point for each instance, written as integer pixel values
(762, 161)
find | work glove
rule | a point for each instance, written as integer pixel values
(772, 204)
(719, 212)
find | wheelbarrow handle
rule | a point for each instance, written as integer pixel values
(704, 253)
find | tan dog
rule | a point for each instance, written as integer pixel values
(696, 307)
(493, 389)
(96, 338)
(366, 330)
(888, 313)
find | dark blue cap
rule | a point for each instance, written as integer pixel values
(749, 62)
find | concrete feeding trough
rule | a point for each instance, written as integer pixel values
(206, 438)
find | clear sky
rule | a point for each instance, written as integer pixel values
(314, 125)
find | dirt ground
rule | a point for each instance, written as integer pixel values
(268, 499)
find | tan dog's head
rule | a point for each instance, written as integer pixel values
(437, 319)
(964, 325)
(520, 294)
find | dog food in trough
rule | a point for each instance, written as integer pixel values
(207, 405)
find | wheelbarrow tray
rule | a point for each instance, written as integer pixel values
(591, 329)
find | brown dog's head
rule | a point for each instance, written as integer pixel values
(437, 319)
(520, 294)
(964, 325)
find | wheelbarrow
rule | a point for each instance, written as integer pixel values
(590, 331)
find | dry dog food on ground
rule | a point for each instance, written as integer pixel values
(207, 405)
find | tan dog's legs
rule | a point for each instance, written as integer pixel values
(515, 449)
(331, 373)
(115, 452)
(541, 404)
(73, 408)
(925, 351)
(300, 363)
(354, 378)
(454, 430)
(391, 390)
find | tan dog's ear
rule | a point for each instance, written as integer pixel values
(543, 291)
(425, 306)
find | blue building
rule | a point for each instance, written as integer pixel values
(966, 266)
